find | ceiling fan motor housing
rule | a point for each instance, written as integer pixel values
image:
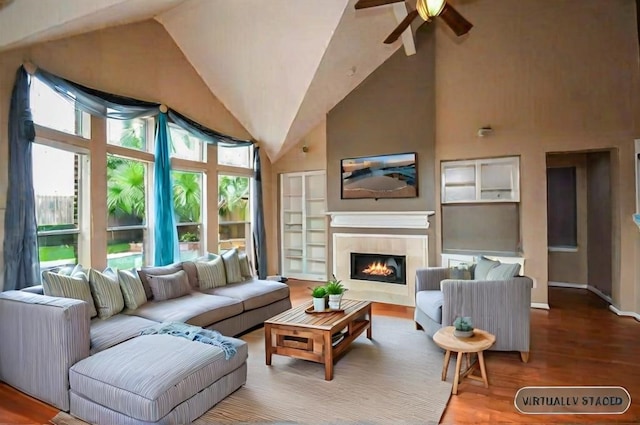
(428, 9)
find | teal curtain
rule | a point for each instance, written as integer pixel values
(165, 232)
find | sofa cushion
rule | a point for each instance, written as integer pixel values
(483, 265)
(106, 292)
(195, 308)
(148, 376)
(75, 285)
(245, 266)
(132, 289)
(430, 302)
(211, 274)
(504, 271)
(232, 266)
(145, 274)
(254, 293)
(116, 329)
(168, 286)
(190, 267)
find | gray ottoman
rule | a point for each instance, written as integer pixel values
(154, 379)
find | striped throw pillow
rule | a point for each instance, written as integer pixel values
(107, 295)
(211, 274)
(132, 289)
(168, 286)
(232, 266)
(245, 267)
(75, 286)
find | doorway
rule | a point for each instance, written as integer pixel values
(579, 221)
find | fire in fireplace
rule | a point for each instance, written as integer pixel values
(379, 267)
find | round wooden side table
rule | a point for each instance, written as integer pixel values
(480, 341)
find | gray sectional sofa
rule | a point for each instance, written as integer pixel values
(103, 371)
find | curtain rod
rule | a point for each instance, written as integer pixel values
(29, 67)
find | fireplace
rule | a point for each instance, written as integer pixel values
(379, 268)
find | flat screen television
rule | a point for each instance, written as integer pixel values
(380, 176)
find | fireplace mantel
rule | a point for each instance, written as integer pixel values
(381, 219)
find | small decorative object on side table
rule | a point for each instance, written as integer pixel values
(463, 327)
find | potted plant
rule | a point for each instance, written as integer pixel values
(463, 327)
(319, 295)
(335, 289)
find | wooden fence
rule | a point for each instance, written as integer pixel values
(51, 209)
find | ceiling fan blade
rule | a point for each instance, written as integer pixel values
(401, 27)
(363, 4)
(455, 20)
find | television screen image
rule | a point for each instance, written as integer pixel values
(377, 177)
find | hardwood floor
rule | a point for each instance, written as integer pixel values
(578, 342)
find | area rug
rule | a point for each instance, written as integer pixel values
(393, 378)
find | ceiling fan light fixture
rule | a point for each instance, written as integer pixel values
(428, 9)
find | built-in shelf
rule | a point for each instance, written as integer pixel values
(309, 232)
(481, 180)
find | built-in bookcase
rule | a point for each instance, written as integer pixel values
(303, 225)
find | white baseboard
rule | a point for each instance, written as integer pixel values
(625, 313)
(581, 286)
(599, 293)
(543, 306)
(567, 285)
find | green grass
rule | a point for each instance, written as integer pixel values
(53, 253)
(65, 252)
(117, 248)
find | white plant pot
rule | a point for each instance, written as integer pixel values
(334, 301)
(462, 334)
(318, 304)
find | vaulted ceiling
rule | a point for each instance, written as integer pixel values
(278, 66)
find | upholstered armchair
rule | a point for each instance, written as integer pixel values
(501, 307)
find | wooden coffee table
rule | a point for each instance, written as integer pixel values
(298, 334)
(480, 341)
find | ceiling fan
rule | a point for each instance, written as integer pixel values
(427, 9)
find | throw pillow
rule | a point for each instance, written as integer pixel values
(106, 292)
(245, 267)
(504, 272)
(190, 268)
(145, 274)
(483, 265)
(211, 274)
(232, 266)
(132, 289)
(168, 286)
(75, 285)
(460, 272)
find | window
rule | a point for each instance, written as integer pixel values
(126, 205)
(184, 145)
(234, 213)
(130, 134)
(562, 207)
(51, 110)
(58, 199)
(235, 157)
(187, 200)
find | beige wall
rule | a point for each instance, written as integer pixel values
(295, 159)
(552, 77)
(139, 60)
(391, 111)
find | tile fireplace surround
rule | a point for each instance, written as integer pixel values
(384, 238)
